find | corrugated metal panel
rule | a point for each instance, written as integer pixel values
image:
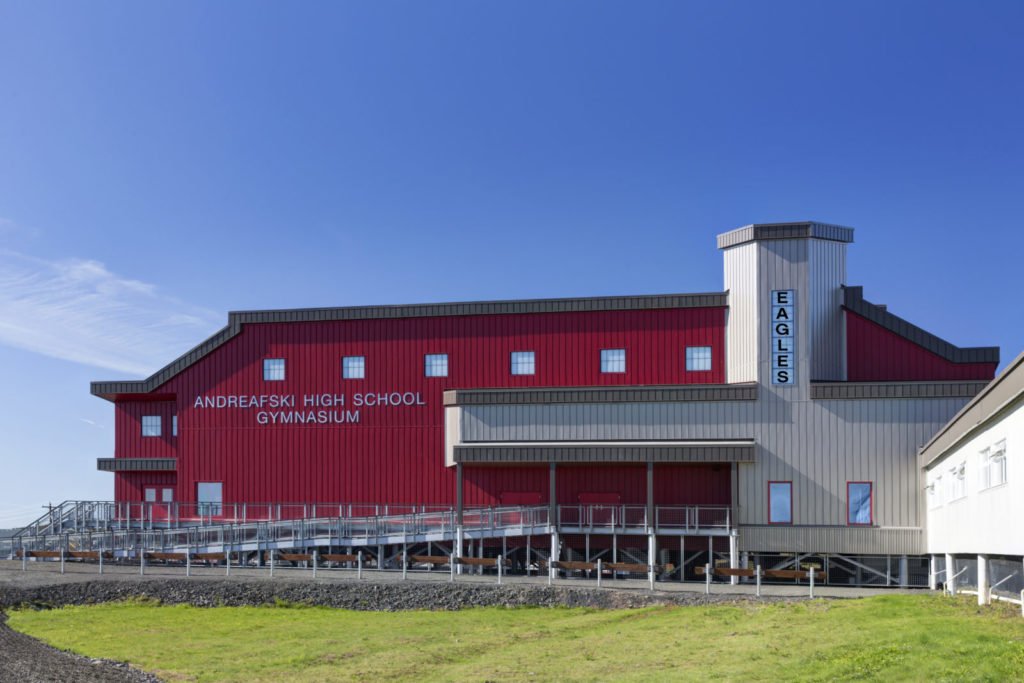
(393, 454)
(657, 394)
(818, 445)
(743, 323)
(826, 275)
(599, 453)
(136, 464)
(112, 390)
(875, 354)
(783, 231)
(883, 541)
(853, 299)
(870, 390)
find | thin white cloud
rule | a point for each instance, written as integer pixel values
(77, 310)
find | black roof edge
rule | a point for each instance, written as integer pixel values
(511, 306)
(853, 300)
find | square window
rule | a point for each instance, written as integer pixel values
(780, 502)
(523, 363)
(698, 358)
(174, 425)
(859, 501)
(167, 496)
(151, 425)
(209, 495)
(353, 367)
(613, 360)
(273, 369)
(149, 494)
(435, 365)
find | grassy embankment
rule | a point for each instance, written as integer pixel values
(897, 637)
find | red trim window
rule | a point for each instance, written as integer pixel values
(860, 503)
(780, 502)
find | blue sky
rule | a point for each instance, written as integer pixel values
(163, 163)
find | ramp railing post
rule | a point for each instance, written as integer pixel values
(405, 565)
(272, 563)
(359, 565)
(315, 554)
(599, 572)
(62, 560)
(757, 574)
(142, 563)
(707, 579)
(227, 563)
(451, 565)
(188, 564)
(499, 570)
(101, 560)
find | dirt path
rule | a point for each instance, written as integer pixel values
(28, 660)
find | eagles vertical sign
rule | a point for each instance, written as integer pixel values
(783, 336)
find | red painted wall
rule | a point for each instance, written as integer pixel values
(395, 454)
(874, 354)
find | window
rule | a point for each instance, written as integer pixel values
(209, 495)
(174, 425)
(859, 503)
(149, 494)
(435, 365)
(958, 481)
(167, 495)
(613, 360)
(523, 363)
(273, 369)
(994, 465)
(698, 358)
(780, 502)
(151, 425)
(353, 367)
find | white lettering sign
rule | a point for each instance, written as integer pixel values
(319, 409)
(783, 327)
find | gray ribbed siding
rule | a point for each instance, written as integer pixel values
(826, 275)
(743, 324)
(856, 541)
(136, 464)
(594, 453)
(642, 394)
(818, 445)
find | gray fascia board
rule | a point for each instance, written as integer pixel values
(891, 390)
(602, 453)
(853, 300)
(136, 464)
(621, 394)
(784, 231)
(468, 308)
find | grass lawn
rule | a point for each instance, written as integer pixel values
(894, 637)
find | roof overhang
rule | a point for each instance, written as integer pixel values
(137, 464)
(585, 452)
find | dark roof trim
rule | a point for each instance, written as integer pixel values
(1001, 393)
(858, 390)
(600, 453)
(784, 231)
(111, 390)
(854, 301)
(630, 394)
(136, 464)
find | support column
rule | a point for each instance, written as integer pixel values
(734, 555)
(983, 582)
(950, 571)
(552, 497)
(933, 562)
(554, 553)
(651, 521)
(457, 541)
(734, 493)
(904, 569)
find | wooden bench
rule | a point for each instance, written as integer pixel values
(89, 555)
(295, 557)
(334, 557)
(41, 554)
(436, 560)
(167, 557)
(478, 561)
(209, 557)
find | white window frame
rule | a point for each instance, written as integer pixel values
(434, 364)
(523, 363)
(353, 367)
(611, 364)
(994, 463)
(935, 492)
(958, 481)
(699, 358)
(270, 368)
(174, 425)
(152, 426)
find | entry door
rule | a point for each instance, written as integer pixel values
(158, 499)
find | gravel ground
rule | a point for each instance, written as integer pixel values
(42, 587)
(27, 660)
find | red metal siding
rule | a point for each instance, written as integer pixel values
(128, 485)
(128, 439)
(692, 484)
(874, 354)
(396, 454)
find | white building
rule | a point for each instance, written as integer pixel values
(974, 491)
